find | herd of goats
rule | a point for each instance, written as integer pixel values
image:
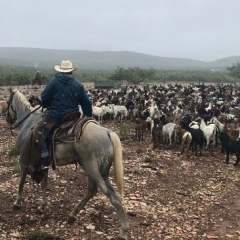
(195, 116)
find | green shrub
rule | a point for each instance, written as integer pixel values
(12, 151)
(124, 131)
(148, 159)
(15, 167)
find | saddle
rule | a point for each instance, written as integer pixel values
(70, 129)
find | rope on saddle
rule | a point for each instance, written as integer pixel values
(80, 127)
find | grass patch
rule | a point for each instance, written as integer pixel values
(12, 152)
(137, 170)
(15, 166)
(124, 131)
(148, 159)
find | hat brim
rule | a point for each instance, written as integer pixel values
(59, 69)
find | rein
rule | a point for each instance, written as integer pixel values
(22, 120)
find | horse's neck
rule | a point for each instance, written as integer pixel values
(22, 109)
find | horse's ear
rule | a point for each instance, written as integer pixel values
(10, 90)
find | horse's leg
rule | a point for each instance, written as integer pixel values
(42, 207)
(107, 188)
(17, 204)
(92, 190)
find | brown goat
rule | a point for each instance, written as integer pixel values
(232, 131)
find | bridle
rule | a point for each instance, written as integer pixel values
(9, 118)
(11, 121)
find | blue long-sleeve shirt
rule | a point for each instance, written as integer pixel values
(62, 96)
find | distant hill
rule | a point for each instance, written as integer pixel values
(46, 58)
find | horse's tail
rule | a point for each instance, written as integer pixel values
(117, 162)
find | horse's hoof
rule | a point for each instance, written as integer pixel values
(122, 235)
(71, 219)
(16, 206)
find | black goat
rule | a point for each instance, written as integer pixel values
(156, 133)
(197, 135)
(197, 140)
(230, 146)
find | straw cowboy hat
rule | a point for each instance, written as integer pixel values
(65, 67)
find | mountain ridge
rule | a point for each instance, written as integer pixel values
(87, 59)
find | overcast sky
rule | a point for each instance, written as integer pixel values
(196, 29)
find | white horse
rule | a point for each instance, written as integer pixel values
(95, 150)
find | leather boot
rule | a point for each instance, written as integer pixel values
(35, 173)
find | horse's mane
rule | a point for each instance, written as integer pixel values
(22, 99)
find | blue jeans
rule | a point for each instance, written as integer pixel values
(44, 155)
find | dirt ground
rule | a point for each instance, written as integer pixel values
(167, 196)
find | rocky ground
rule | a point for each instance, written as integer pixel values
(167, 196)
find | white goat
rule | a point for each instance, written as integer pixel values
(119, 110)
(99, 112)
(209, 132)
(219, 125)
(169, 132)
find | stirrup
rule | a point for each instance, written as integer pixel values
(44, 168)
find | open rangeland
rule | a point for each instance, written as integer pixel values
(167, 195)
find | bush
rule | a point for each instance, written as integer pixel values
(148, 159)
(12, 151)
(124, 131)
(15, 167)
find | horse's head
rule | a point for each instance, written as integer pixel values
(11, 116)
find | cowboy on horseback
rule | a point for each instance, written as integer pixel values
(62, 96)
(38, 77)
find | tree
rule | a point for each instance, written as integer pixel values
(234, 70)
(133, 75)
